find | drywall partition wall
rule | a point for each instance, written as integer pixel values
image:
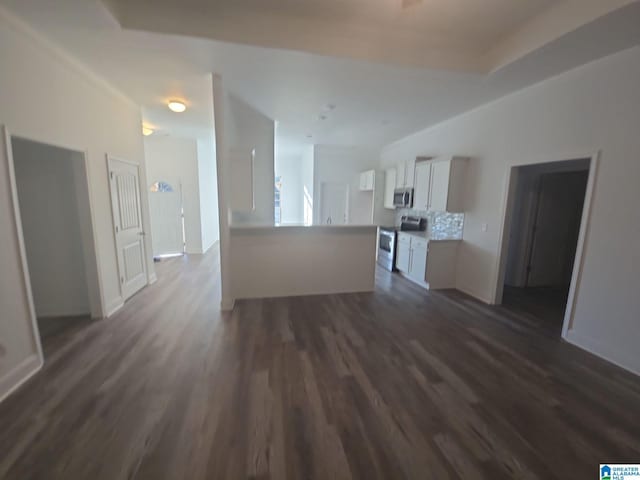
(47, 97)
(175, 160)
(51, 226)
(343, 165)
(222, 125)
(299, 260)
(589, 109)
(247, 128)
(288, 169)
(208, 186)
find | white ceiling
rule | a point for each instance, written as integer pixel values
(375, 103)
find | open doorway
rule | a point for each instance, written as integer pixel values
(167, 219)
(53, 200)
(547, 204)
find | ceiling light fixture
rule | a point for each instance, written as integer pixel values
(177, 106)
(146, 131)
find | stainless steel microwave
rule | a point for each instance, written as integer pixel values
(403, 197)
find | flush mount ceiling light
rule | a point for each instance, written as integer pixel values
(177, 106)
(146, 131)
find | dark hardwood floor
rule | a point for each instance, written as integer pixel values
(396, 384)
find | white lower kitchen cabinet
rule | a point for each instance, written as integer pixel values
(403, 254)
(418, 267)
(431, 264)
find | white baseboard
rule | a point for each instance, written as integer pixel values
(153, 278)
(56, 312)
(205, 250)
(113, 306)
(604, 351)
(22, 372)
(227, 304)
(474, 295)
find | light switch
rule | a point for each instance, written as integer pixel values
(485, 227)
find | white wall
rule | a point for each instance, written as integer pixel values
(290, 170)
(175, 160)
(208, 186)
(246, 127)
(594, 107)
(47, 97)
(51, 228)
(343, 165)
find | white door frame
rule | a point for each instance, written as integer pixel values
(507, 214)
(97, 310)
(109, 158)
(6, 139)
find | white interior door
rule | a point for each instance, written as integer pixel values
(124, 181)
(334, 203)
(165, 206)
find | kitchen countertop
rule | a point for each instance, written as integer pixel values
(433, 238)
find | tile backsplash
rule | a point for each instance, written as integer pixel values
(441, 225)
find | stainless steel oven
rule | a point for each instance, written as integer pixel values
(387, 248)
(403, 197)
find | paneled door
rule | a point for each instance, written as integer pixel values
(124, 179)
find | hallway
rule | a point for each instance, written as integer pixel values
(401, 383)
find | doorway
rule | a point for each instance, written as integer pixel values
(167, 219)
(547, 205)
(334, 203)
(54, 210)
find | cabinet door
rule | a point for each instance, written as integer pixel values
(400, 174)
(439, 192)
(422, 186)
(371, 179)
(403, 258)
(409, 174)
(389, 187)
(418, 266)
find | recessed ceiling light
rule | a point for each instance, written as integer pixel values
(177, 106)
(146, 131)
(322, 117)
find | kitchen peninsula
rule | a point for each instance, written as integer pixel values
(279, 261)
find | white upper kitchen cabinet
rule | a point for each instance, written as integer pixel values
(440, 185)
(367, 180)
(242, 190)
(389, 187)
(422, 185)
(404, 173)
